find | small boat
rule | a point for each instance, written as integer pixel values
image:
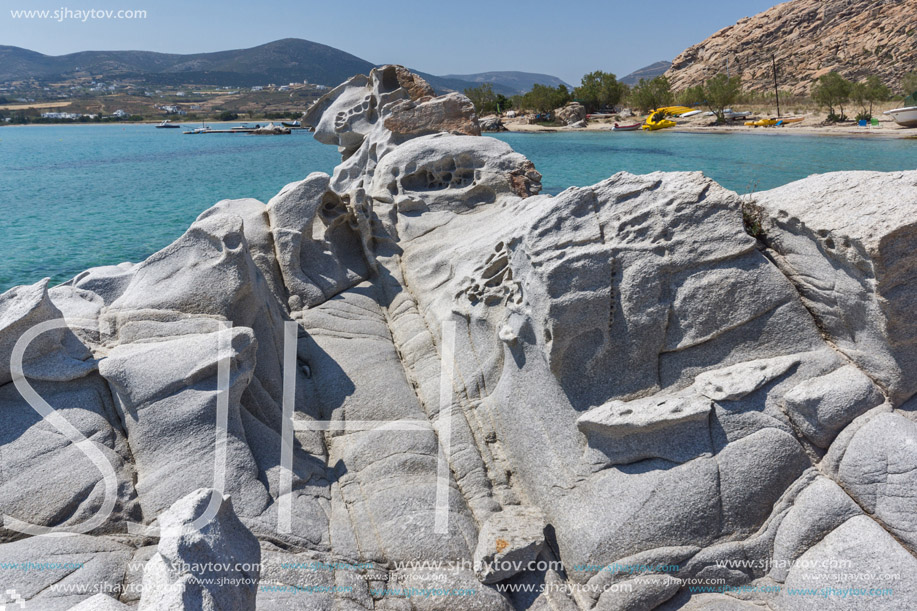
(626, 128)
(167, 124)
(690, 114)
(783, 122)
(762, 123)
(291, 123)
(737, 115)
(657, 121)
(905, 117)
(203, 129)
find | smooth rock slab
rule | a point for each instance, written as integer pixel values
(671, 427)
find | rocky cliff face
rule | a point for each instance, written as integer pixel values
(809, 38)
(417, 382)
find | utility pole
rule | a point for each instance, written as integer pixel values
(776, 90)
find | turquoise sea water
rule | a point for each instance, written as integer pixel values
(76, 196)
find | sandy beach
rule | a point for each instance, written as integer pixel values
(813, 125)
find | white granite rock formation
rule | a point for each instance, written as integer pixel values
(417, 366)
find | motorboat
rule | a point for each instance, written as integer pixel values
(167, 124)
(626, 128)
(905, 117)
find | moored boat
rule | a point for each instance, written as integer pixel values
(626, 128)
(167, 124)
(905, 117)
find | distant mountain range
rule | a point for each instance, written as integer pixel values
(518, 82)
(281, 62)
(647, 72)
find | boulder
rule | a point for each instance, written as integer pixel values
(54, 354)
(571, 114)
(204, 566)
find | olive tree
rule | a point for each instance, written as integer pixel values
(651, 94)
(483, 98)
(832, 91)
(599, 89)
(720, 93)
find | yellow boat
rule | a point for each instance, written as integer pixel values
(762, 123)
(788, 121)
(657, 121)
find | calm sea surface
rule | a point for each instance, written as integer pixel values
(76, 196)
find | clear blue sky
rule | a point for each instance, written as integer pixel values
(566, 39)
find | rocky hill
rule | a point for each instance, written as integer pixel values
(809, 38)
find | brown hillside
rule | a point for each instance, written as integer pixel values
(809, 38)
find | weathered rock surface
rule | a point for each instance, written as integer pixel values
(194, 564)
(571, 114)
(809, 38)
(508, 543)
(418, 379)
(846, 241)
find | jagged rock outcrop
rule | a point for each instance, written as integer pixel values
(420, 380)
(571, 114)
(857, 38)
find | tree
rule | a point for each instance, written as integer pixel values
(720, 93)
(544, 99)
(483, 98)
(692, 96)
(599, 89)
(228, 115)
(909, 83)
(832, 91)
(652, 94)
(867, 93)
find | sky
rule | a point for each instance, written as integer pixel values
(565, 39)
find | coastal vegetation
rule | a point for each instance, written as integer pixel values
(599, 90)
(720, 93)
(650, 94)
(833, 91)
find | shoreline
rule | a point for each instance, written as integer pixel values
(885, 131)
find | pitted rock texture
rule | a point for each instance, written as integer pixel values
(391, 378)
